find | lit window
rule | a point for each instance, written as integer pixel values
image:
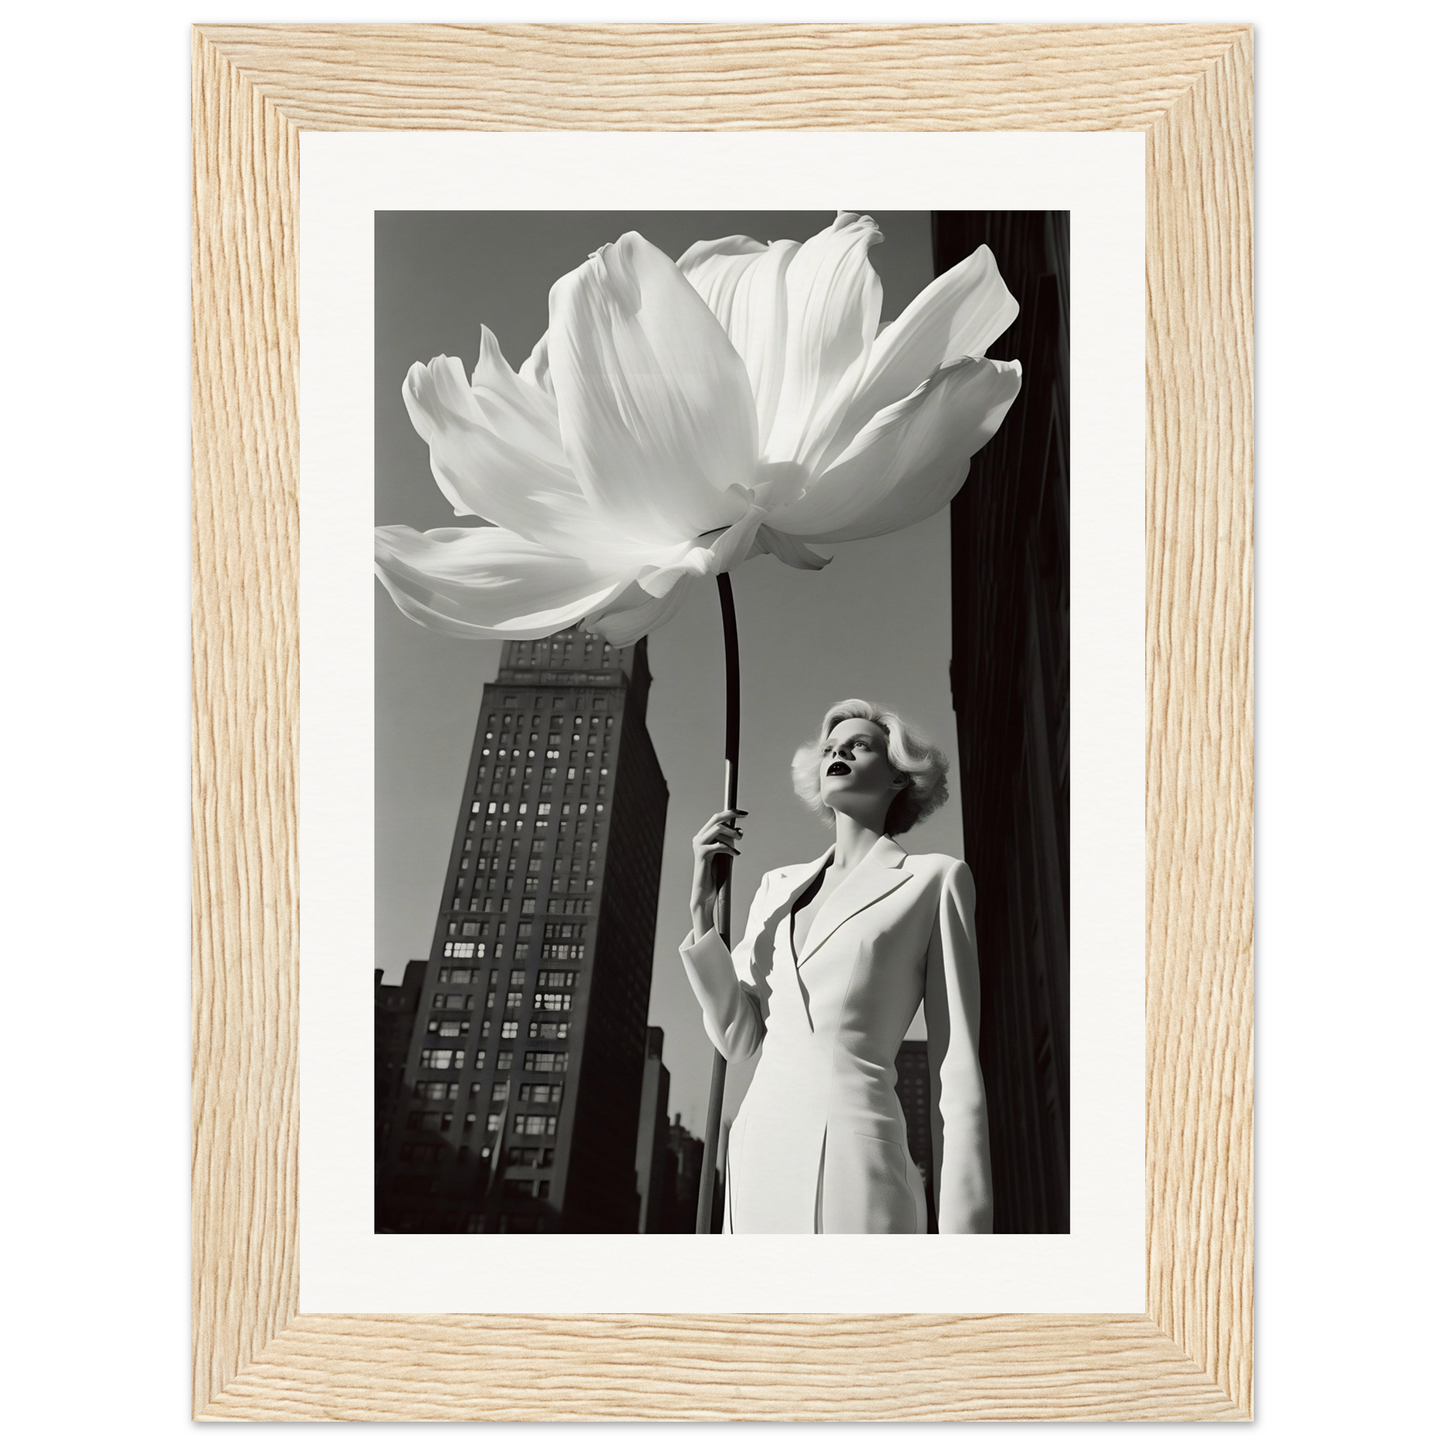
(546, 1029)
(452, 1000)
(552, 1003)
(509, 1028)
(434, 1089)
(449, 1028)
(441, 1058)
(504, 1061)
(545, 1061)
(540, 1094)
(499, 1092)
(494, 1122)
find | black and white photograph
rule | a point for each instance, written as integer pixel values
(722, 722)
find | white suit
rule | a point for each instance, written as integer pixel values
(819, 1145)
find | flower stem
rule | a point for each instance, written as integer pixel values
(723, 915)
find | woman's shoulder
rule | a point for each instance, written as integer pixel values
(949, 875)
(937, 864)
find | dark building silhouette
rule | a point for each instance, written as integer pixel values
(1010, 534)
(686, 1153)
(913, 1089)
(652, 1153)
(396, 1006)
(524, 1075)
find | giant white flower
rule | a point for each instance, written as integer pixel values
(677, 419)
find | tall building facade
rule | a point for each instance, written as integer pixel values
(913, 1088)
(1010, 536)
(396, 1006)
(524, 1077)
(653, 1174)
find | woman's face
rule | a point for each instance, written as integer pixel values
(854, 774)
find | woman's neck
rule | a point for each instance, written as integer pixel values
(855, 839)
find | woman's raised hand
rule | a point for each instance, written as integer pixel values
(717, 838)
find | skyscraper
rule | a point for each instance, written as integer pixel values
(1010, 534)
(395, 1021)
(653, 1174)
(524, 1077)
(913, 1088)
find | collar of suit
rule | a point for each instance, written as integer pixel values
(879, 872)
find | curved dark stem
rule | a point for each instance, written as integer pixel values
(723, 866)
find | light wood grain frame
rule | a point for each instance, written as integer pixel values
(1188, 88)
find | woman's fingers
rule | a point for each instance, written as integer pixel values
(726, 814)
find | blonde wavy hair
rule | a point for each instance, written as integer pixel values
(908, 752)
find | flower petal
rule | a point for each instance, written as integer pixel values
(487, 582)
(656, 410)
(494, 456)
(744, 285)
(633, 614)
(535, 370)
(960, 314)
(509, 404)
(910, 459)
(789, 549)
(834, 298)
(706, 558)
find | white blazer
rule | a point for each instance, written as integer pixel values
(819, 1145)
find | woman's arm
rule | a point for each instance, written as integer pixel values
(733, 1009)
(960, 1113)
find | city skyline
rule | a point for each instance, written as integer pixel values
(874, 623)
(518, 1105)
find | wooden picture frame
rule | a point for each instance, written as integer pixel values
(1188, 89)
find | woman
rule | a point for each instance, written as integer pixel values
(825, 981)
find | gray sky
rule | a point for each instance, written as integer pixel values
(873, 624)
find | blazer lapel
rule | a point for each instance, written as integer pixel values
(793, 880)
(874, 878)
